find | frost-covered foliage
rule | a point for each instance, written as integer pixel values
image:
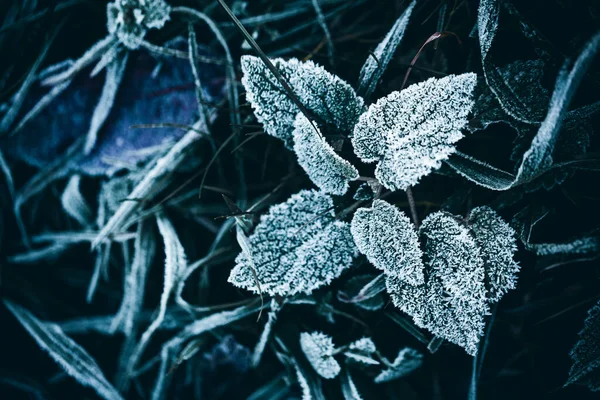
(362, 351)
(330, 172)
(497, 243)
(329, 98)
(586, 353)
(388, 239)
(447, 286)
(75, 361)
(296, 248)
(409, 133)
(318, 349)
(456, 290)
(129, 20)
(406, 362)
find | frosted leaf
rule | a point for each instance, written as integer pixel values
(296, 248)
(75, 361)
(74, 203)
(388, 238)
(406, 362)
(497, 243)
(410, 299)
(456, 290)
(581, 246)
(361, 351)
(409, 133)
(364, 345)
(349, 390)
(521, 77)
(364, 192)
(259, 349)
(586, 352)
(129, 20)
(330, 172)
(329, 98)
(318, 349)
(376, 64)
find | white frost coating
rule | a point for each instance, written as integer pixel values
(586, 353)
(303, 383)
(388, 238)
(259, 349)
(325, 95)
(496, 240)
(409, 133)
(129, 20)
(318, 349)
(456, 292)
(72, 358)
(580, 246)
(296, 248)
(406, 362)
(330, 172)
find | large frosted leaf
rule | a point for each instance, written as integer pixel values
(377, 62)
(456, 290)
(75, 361)
(330, 172)
(409, 133)
(327, 97)
(497, 242)
(586, 353)
(298, 246)
(388, 238)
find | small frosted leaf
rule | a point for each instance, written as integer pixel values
(362, 351)
(349, 390)
(387, 237)
(297, 247)
(456, 289)
(411, 132)
(581, 246)
(318, 349)
(325, 95)
(129, 20)
(376, 64)
(406, 362)
(75, 361)
(74, 203)
(586, 353)
(497, 242)
(330, 172)
(364, 192)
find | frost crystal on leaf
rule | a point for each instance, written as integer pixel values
(362, 350)
(406, 362)
(586, 352)
(496, 240)
(412, 131)
(318, 349)
(329, 98)
(330, 172)
(297, 247)
(388, 239)
(129, 20)
(456, 291)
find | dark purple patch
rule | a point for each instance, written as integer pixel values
(167, 98)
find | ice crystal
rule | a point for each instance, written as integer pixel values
(409, 133)
(406, 362)
(497, 242)
(330, 172)
(297, 247)
(129, 20)
(388, 239)
(586, 352)
(318, 349)
(327, 97)
(361, 351)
